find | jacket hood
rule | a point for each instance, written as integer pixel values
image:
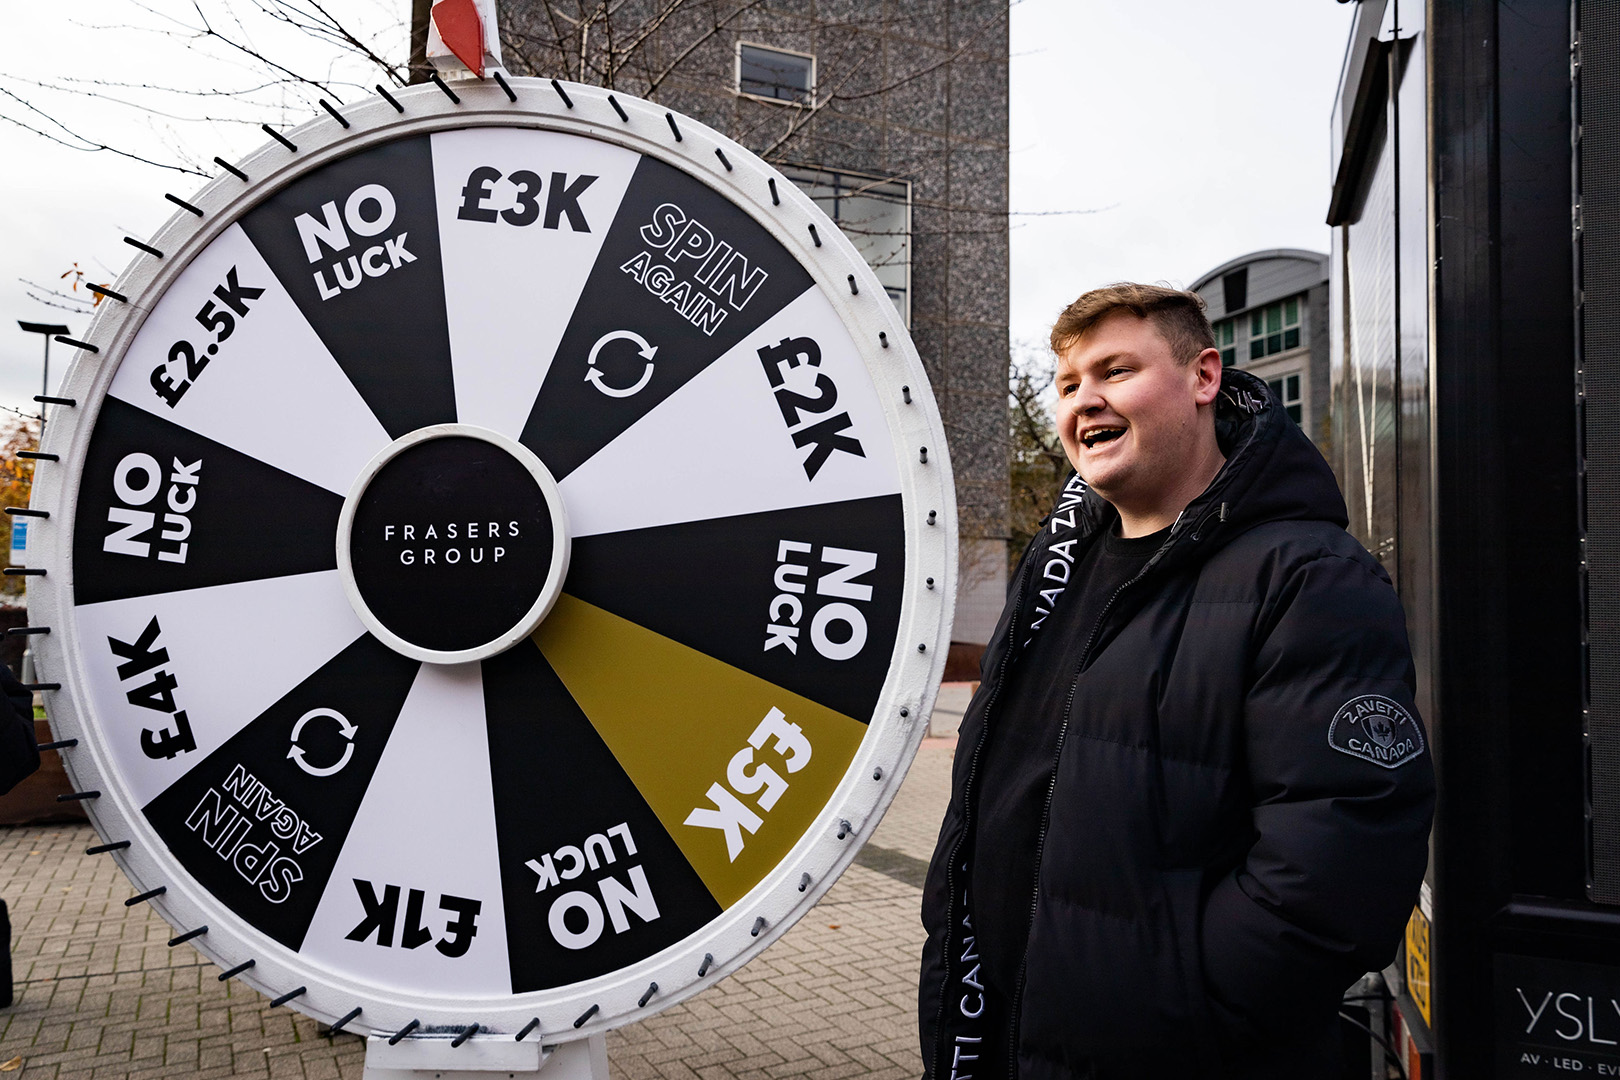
(1273, 471)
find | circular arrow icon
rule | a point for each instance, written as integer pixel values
(347, 729)
(593, 374)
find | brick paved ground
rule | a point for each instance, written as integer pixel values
(948, 708)
(100, 995)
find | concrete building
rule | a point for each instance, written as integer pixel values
(894, 117)
(1270, 314)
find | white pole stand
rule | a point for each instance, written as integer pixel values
(427, 1057)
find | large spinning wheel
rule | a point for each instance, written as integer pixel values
(499, 556)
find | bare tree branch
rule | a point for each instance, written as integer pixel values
(45, 300)
(246, 37)
(669, 69)
(207, 30)
(314, 19)
(82, 143)
(74, 85)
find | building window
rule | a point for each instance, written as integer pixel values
(1235, 287)
(1274, 328)
(875, 213)
(775, 74)
(1286, 390)
(1223, 342)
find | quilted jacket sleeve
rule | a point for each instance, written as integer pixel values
(19, 754)
(1343, 795)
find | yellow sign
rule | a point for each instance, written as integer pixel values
(1417, 962)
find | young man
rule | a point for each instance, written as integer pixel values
(1192, 796)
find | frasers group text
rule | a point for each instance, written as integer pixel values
(472, 541)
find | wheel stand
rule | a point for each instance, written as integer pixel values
(427, 1056)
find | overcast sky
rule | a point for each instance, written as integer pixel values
(1195, 131)
(1192, 131)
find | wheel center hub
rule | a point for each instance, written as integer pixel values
(453, 544)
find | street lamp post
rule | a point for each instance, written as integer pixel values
(47, 331)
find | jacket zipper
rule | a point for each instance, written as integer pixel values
(1017, 1000)
(967, 822)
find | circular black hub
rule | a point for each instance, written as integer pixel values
(452, 545)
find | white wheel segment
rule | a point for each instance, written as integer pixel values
(386, 911)
(493, 276)
(277, 396)
(299, 454)
(303, 620)
(713, 449)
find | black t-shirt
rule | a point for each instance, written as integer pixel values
(1016, 766)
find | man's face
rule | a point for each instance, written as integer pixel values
(1128, 415)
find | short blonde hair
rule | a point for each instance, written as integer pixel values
(1178, 316)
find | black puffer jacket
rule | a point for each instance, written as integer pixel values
(1238, 820)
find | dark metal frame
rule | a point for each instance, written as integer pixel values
(1507, 618)
(1510, 854)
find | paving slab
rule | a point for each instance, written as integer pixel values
(949, 705)
(99, 994)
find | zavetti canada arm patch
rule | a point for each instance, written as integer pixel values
(1376, 729)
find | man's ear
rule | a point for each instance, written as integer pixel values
(1206, 376)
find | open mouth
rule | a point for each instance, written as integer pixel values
(1097, 436)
